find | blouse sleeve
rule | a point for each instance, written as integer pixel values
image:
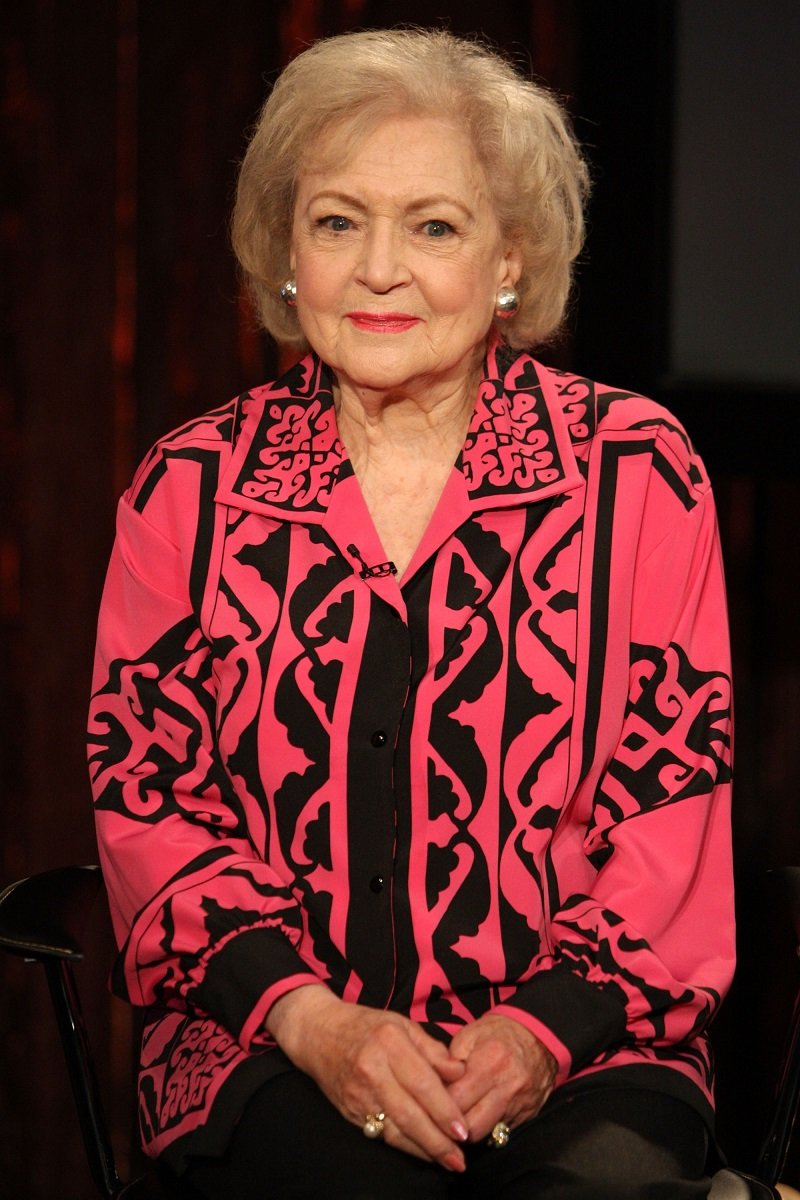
(642, 951)
(200, 918)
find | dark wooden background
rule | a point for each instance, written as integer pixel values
(121, 125)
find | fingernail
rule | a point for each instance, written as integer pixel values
(460, 1131)
(454, 1161)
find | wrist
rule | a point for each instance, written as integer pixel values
(289, 1018)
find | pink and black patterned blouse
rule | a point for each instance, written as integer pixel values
(501, 781)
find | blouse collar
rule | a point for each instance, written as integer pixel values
(288, 457)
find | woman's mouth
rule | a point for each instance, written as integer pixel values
(386, 322)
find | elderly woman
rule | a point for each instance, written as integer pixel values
(409, 739)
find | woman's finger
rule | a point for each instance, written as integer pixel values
(391, 1068)
(490, 1093)
(367, 1060)
(431, 1098)
(508, 1074)
(493, 1106)
(448, 1068)
(415, 1134)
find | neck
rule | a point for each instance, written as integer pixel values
(426, 422)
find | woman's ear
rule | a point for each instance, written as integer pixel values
(513, 266)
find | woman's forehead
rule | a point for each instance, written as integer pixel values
(405, 145)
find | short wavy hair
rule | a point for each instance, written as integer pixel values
(522, 136)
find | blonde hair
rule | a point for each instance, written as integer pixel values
(520, 133)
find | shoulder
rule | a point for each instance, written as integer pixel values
(221, 428)
(199, 440)
(598, 415)
(203, 444)
(188, 462)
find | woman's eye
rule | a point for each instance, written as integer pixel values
(437, 229)
(335, 224)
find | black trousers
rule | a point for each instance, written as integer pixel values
(611, 1143)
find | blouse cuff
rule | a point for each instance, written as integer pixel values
(576, 1020)
(241, 978)
(253, 1035)
(543, 1034)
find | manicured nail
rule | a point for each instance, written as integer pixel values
(460, 1131)
(454, 1161)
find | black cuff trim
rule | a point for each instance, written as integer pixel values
(584, 1017)
(241, 971)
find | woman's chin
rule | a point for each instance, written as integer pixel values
(378, 376)
(384, 373)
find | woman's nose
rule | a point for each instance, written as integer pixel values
(383, 263)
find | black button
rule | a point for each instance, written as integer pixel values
(378, 739)
(376, 884)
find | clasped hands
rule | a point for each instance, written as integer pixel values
(435, 1097)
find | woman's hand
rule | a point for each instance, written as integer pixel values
(366, 1060)
(509, 1073)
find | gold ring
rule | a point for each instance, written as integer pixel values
(373, 1126)
(500, 1135)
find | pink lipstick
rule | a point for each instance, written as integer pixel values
(385, 322)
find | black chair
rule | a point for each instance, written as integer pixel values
(43, 919)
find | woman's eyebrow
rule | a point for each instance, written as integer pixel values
(327, 195)
(418, 204)
(436, 199)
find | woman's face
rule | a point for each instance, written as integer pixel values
(398, 258)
